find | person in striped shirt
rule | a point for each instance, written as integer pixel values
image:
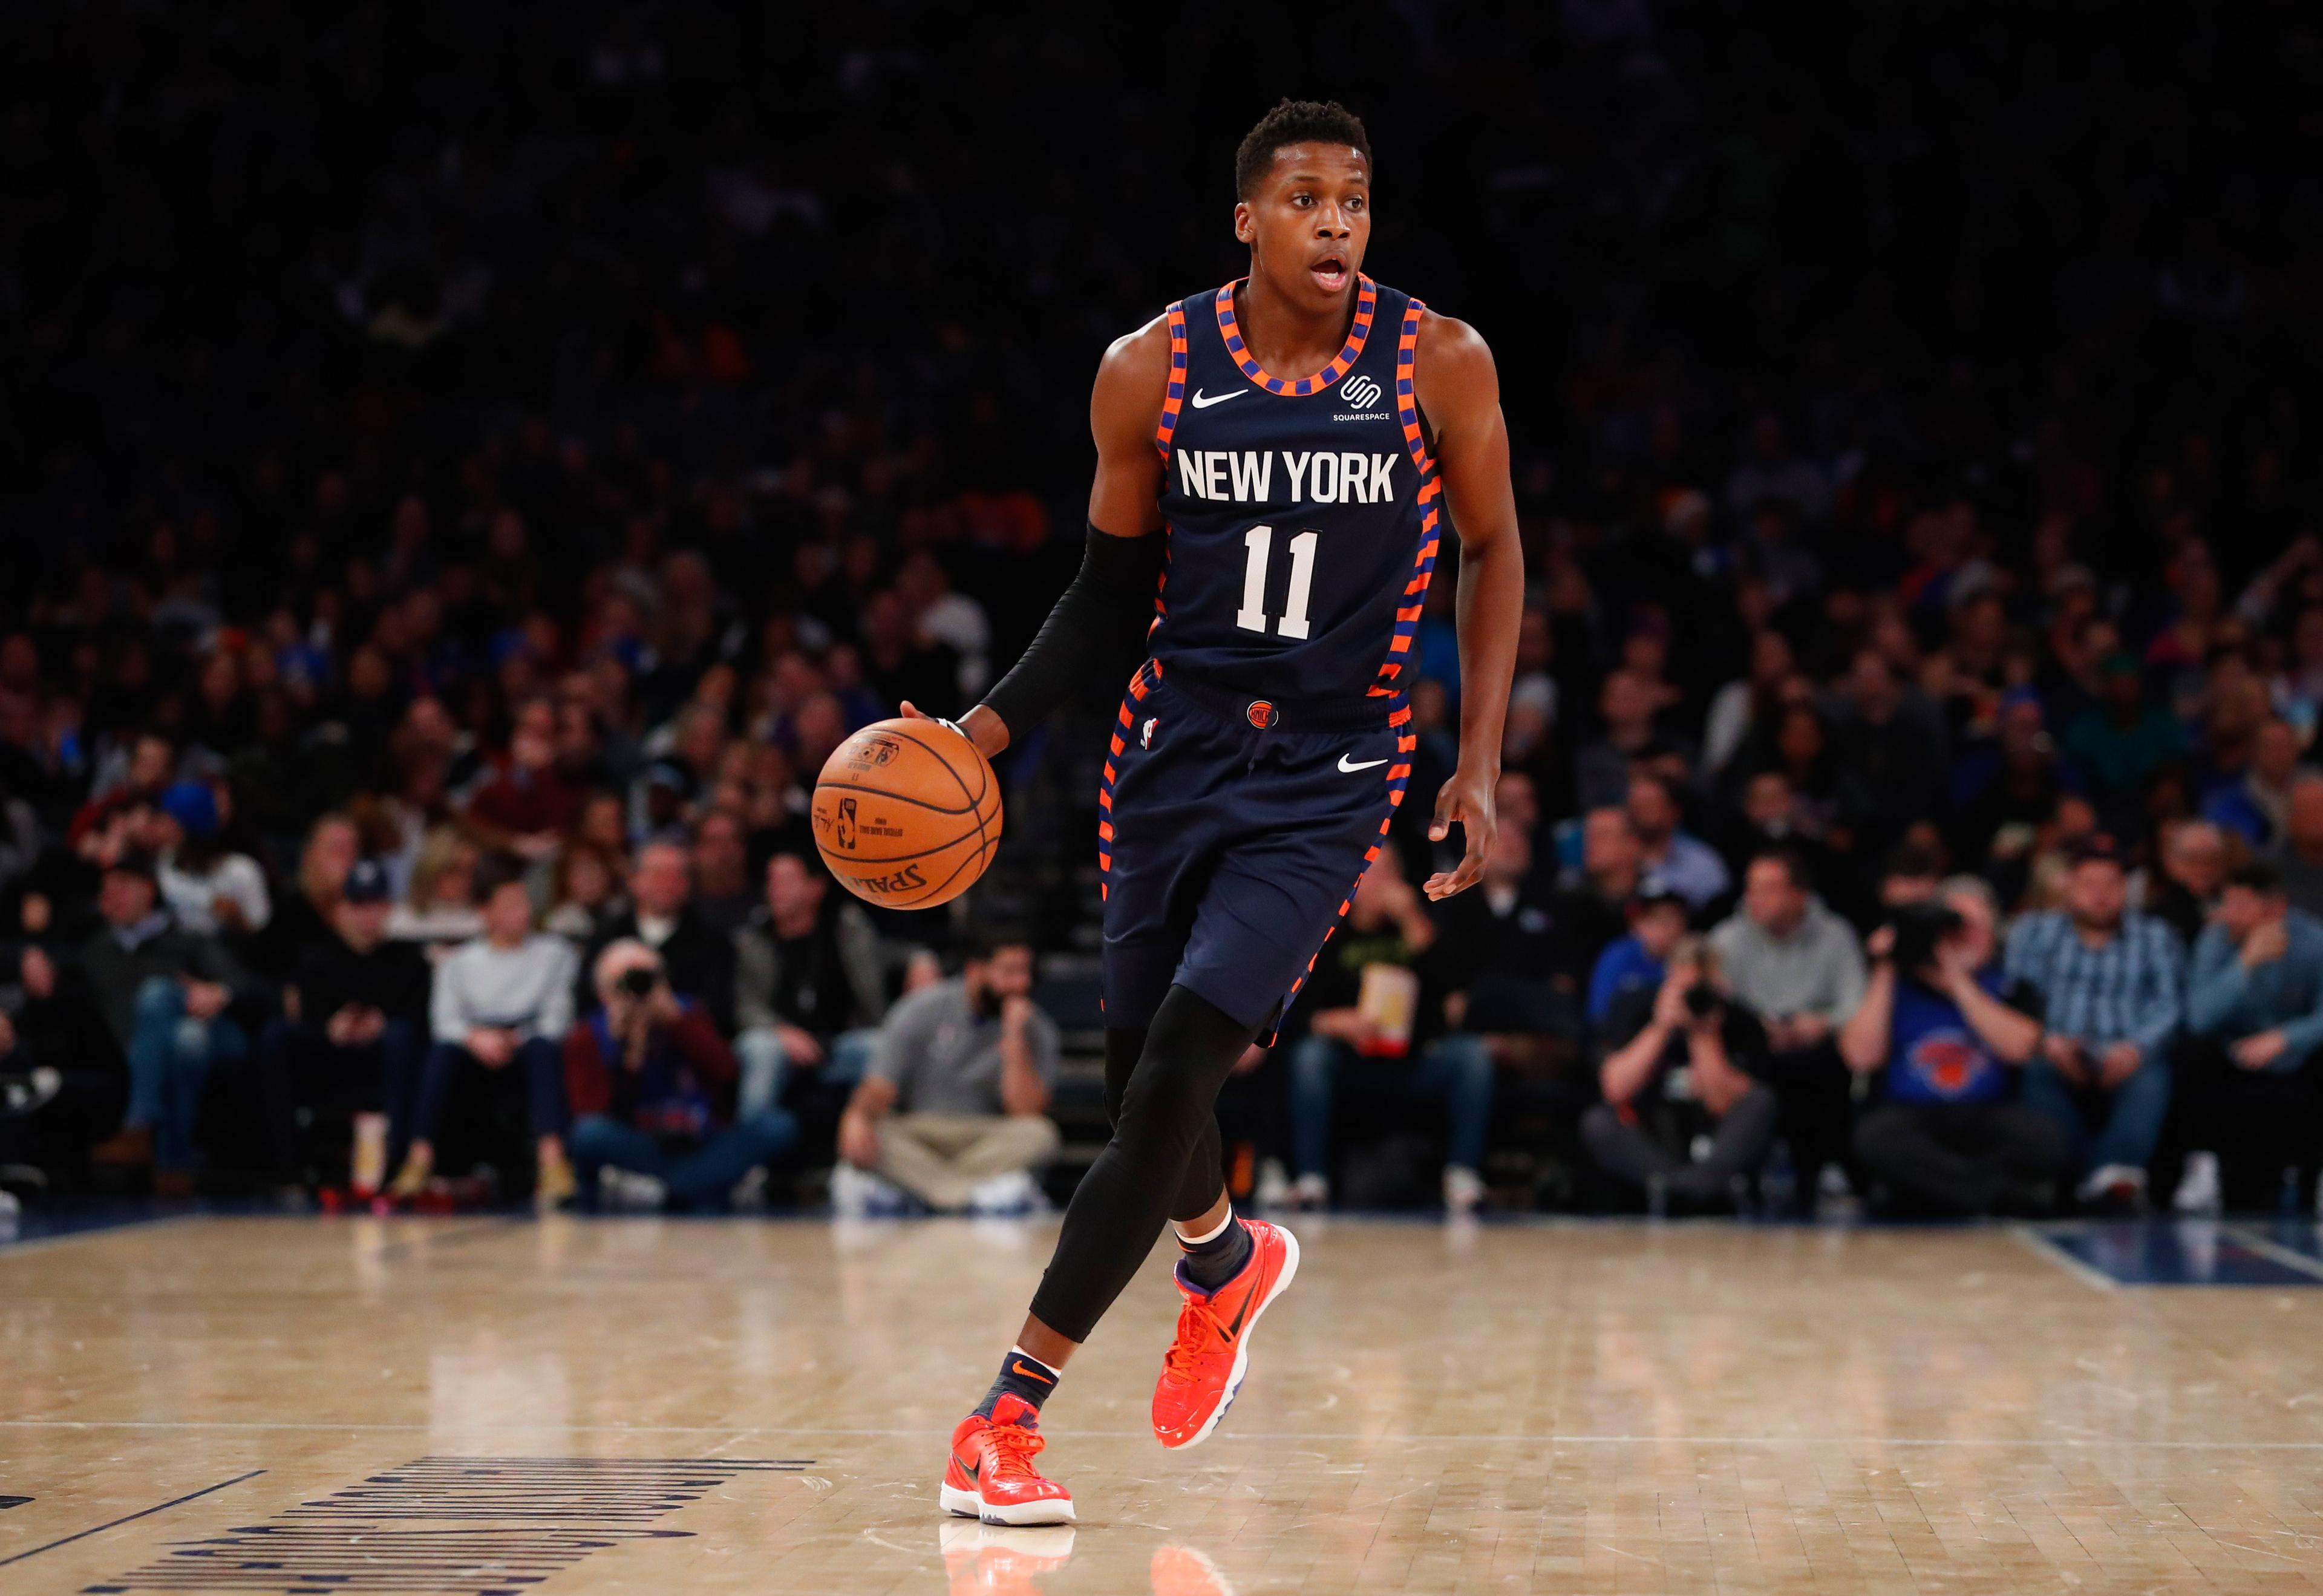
(2111, 984)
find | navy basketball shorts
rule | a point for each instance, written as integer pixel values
(1231, 833)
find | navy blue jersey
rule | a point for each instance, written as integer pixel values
(1301, 512)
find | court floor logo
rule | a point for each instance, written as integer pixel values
(456, 1525)
(1359, 392)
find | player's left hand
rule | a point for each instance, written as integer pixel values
(1468, 800)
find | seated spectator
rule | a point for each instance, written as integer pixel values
(2194, 866)
(499, 1009)
(2108, 984)
(807, 969)
(2301, 855)
(2254, 1019)
(439, 913)
(62, 1084)
(1523, 969)
(661, 913)
(355, 1027)
(2123, 741)
(1376, 1002)
(1798, 968)
(1678, 860)
(1591, 904)
(305, 913)
(650, 1083)
(581, 887)
(1602, 767)
(954, 1107)
(1683, 1120)
(1950, 1036)
(722, 872)
(166, 995)
(524, 806)
(2256, 805)
(1637, 960)
(208, 889)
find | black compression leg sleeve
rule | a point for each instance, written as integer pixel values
(1205, 1176)
(1165, 1120)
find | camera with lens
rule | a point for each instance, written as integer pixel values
(1918, 928)
(1703, 1000)
(641, 983)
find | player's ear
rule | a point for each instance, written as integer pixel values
(1245, 228)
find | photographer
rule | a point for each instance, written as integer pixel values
(1653, 1118)
(651, 1087)
(1951, 1033)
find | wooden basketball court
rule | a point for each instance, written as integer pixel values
(217, 1404)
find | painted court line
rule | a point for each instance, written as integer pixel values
(2276, 1253)
(2043, 1247)
(117, 1522)
(2078, 1442)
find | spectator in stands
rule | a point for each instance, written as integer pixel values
(806, 970)
(2256, 805)
(661, 913)
(1376, 1026)
(353, 1029)
(499, 1008)
(650, 1085)
(305, 913)
(2109, 983)
(208, 889)
(524, 806)
(2193, 871)
(953, 1108)
(722, 872)
(1639, 960)
(1940, 1020)
(1697, 1142)
(1799, 969)
(2253, 1020)
(1591, 904)
(1676, 858)
(167, 994)
(2301, 855)
(62, 1084)
(440, 910)
(2123, 741)
(1600, 768)
(1522, 969)
(580, 888)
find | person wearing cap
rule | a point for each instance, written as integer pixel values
(2110, 987)
(206, 886)
(353, 1027)
(167, 995)
(2254, 1023)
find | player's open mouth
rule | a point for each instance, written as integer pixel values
(1331, 273)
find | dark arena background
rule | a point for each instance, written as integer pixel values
(465, 468)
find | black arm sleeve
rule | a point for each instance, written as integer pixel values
(1101, 618)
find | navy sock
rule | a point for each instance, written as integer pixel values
(1021, 1376)
(1212, 1263)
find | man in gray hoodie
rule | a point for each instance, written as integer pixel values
(1799, 967)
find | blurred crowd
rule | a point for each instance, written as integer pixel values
(462, 473)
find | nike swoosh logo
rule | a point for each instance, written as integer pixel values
(1017, 1367)
(1351, 769)
(1234, 1329)
(1202, 402)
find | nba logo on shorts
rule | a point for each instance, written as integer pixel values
(1261, 713)
(1146, 737)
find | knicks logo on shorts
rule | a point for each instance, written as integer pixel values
(1145, 738)
(1261, 713)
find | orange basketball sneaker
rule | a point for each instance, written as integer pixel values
(990, 1473)
(1205, 1366)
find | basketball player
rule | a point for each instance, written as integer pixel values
(1296, 436)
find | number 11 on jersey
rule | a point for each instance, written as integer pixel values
(1251, 615)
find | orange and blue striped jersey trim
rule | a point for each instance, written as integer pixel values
(1173, 392)
(1423, 560)
(1366, 302)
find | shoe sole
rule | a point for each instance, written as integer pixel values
(1242, 1348)
(968, 1504)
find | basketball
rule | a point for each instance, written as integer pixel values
(907, 813)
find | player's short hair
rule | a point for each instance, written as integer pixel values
(1295, 122)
